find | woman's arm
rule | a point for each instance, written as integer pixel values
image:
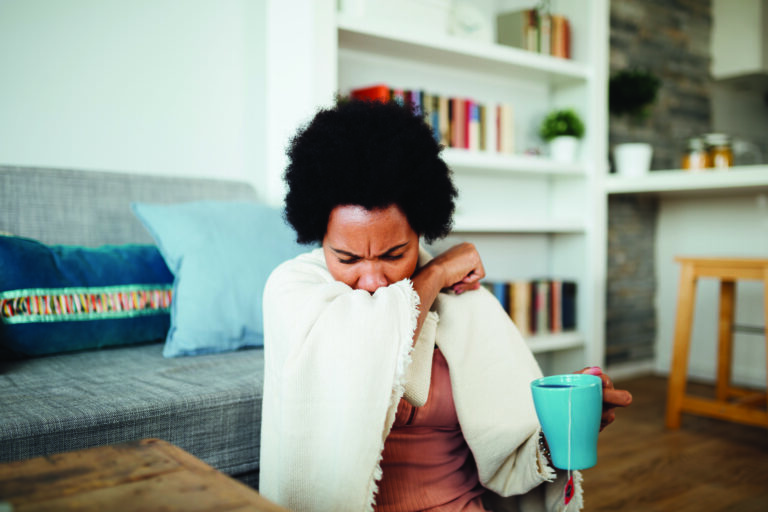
(459, 268)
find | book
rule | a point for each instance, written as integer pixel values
(398, 96)
(568, 302)
(560, 37)
(482, 135)
(555, 306)
(473, 126)
(518, 29)
(377, 92)
(510, 28)
(444, 120)
(506, 129)
(539, 311)
(415, 101)
(545, 33)
(458, 123)
(532, 31)
(521, 305)
(490, 123)
(501, 292)
(431, 114)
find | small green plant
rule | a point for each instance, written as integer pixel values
(632, 92)
(561, 122)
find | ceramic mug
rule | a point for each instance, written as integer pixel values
(569, 408)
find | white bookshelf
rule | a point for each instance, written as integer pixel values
(464, 161)
(529, 215)
(548, 343)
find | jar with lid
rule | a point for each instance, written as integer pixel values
(696, 156)
(720, 150)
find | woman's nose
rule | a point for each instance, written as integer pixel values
(371, 278)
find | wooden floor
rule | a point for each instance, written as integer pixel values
(707, 465)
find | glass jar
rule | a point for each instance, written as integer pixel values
(696, 156)
(720, 150)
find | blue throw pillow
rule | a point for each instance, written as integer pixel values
(221, 254)
(63, 298)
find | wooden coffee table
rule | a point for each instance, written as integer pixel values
(147, 475)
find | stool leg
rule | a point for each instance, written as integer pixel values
(725, 339)
(678, 372)
(765, 322)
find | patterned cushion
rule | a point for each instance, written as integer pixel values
(62, 298)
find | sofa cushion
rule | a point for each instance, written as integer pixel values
(221, 254)
(60, 298)
(208, 405)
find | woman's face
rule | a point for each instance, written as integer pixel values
(368, 249)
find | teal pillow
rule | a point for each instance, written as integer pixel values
(61, 298)
(221, 254)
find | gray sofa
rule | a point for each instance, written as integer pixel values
(208, 405)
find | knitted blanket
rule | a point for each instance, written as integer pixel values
(337, 362)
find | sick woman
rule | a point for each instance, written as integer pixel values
(393, 380)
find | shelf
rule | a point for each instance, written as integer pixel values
(456, 52)
(679, 182)
(553, 342)
(523, 211)
(472, 161)
(473, 224)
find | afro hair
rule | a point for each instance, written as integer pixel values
(369, 154)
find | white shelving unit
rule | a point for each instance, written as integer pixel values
(529, 215)
(677, 182)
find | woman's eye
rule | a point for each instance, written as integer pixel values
(349, 261)
(392, 257)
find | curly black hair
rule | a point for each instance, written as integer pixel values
(369, 154)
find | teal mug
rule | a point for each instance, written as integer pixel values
(569, 408)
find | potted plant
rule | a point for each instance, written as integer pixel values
(632, 93)
(562, 129)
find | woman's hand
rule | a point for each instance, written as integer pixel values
(612, 398)
(461, 268)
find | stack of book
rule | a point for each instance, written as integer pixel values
(455, 122)
(536, 31)
(540, 306)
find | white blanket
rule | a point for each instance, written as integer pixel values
(337, 362)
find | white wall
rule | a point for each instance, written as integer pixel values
(152, 86)
(300, 76)
(210, 88)
(722, 225)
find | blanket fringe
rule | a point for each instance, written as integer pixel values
(397, 391)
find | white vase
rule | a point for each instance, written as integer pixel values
(633, 159)
(563, 148)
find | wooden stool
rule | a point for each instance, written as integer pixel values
(731, 403)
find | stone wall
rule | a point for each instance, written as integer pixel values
(670, 38)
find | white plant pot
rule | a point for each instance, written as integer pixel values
(563, 148)
(633, 159)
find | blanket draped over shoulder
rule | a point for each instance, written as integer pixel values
(337, 362)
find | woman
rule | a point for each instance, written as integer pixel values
(392, 381)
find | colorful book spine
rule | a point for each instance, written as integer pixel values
(506, 129)
(377, 92)
(458, 123)
(473, 126)
(444, 120)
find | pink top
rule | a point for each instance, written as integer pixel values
(427, 464)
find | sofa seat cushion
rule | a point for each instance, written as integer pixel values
(208, 405)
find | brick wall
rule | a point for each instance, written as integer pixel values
(670, 38)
